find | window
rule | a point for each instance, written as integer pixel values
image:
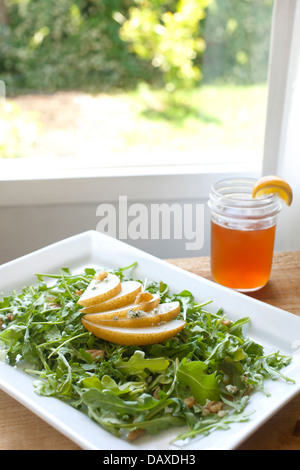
(133, 84)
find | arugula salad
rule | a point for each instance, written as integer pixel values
(199, 380)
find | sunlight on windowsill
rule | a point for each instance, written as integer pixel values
(128, 133)
(76, 167)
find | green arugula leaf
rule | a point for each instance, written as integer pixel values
(158, 423)
(137, 364)
(203, 386)
(108, 400)
(234, 371)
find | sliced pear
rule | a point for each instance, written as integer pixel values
(122, 311)
(127, 295)
(100, 290)
(135, 336)
(138, 318)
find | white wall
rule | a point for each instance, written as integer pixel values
(28, 228)
(36, 212)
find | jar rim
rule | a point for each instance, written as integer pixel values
(233, 197)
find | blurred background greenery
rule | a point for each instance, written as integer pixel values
(111, 47)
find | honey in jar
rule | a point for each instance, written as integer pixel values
(242, 234)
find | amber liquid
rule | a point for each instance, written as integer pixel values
(241, 259)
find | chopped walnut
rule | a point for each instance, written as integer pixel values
(190, 402)
(232, 389)
(134, 434)
(96, 353)
(54, 305)
(143, 297)
(248, 391)
(10, 316)
(101, 276)
(212, 407)
(226, 322)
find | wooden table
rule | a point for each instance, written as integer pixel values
(20, 429)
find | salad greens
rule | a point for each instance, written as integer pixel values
(201, 379)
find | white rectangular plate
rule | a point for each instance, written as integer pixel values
(273, 328)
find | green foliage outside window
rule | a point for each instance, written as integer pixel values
(153, 53)
(66, 44)
(97, 45)
(237, 35)
(171, 40)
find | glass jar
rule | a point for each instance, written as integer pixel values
(242, 234)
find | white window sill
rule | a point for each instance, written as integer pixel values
(23, 182)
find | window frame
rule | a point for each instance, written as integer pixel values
(280, 79)
(146, 184)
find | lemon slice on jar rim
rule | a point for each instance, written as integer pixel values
(273, 185)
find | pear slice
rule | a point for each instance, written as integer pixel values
(100, 290)
(127, 295)
(135, 336)
(139, 318)
(122, 311)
